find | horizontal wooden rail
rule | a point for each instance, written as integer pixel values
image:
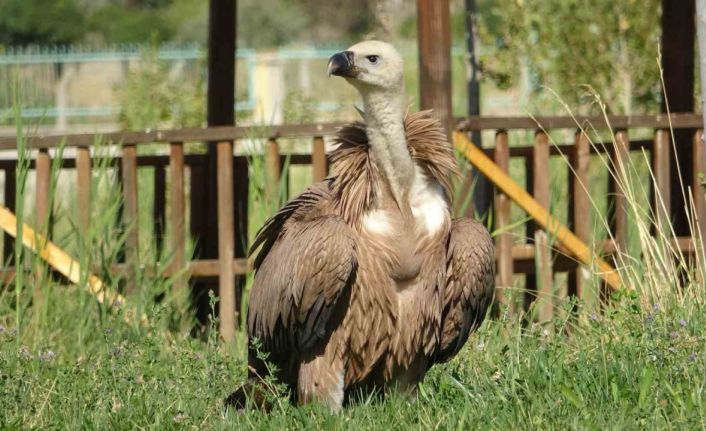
(223, 133)
(523, 256)
(199, 134)
(661, 121)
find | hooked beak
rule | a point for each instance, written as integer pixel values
(341, 64)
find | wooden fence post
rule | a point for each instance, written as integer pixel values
(699, 164)
(130, 214)
(43, 213)
(434, 41)
(318, 159)
(662, 191)
(83, 190)
(158, 208)
(580, 209)
(273, 169)
(620, 163)
(543, 257)
(503, 243)
(177, 211)
(226, 241)
(42, 210)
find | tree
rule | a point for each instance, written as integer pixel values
(118, 24)
(24, 22)
(607, 44)
(264, 24)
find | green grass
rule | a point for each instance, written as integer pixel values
(624, 369)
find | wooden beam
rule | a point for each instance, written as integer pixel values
(540, 214)
(221, 63)
(697, 188)
(221, 133)
(177, 208)
(677, 62)
(675, 120)
(83, 190)
(503, 242)
(273, 171)
(617, 178)
(540, 190)
(677, 46)
(226, 242)
(580, 203)
(212, 267)
(130, 214)
(43, 200)
(661, 193)
(213, 236)
(319, 164)
(159, 209)
(434, 41)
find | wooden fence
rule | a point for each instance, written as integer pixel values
(512, 257)
(535, 257)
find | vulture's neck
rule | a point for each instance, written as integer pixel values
(384, 121)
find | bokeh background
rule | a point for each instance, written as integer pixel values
(93, 65)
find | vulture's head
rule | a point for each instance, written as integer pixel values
(369, 66)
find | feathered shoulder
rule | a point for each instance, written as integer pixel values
(354, 172)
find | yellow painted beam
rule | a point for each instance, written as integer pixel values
(524, 200)
(59, 259)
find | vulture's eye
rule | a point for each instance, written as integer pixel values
(373, 59)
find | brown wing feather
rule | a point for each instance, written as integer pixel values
(470, 285)
(429, 146)
(307, 260)
(354, 173)
(309, 203)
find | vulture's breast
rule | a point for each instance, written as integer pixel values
(429, 206)
(403, 242)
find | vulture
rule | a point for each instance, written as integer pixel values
(364, 281)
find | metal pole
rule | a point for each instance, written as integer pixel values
(483, 189)
(472, 66)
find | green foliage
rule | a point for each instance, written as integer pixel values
(271, 23)
(261, 23)
(117, 24)
(188, 20)
(339, 20)
(274, 23)
(608, 45)
(24, 22)
(154, 97)
(299, 108)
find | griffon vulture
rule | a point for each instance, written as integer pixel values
(364, 281)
